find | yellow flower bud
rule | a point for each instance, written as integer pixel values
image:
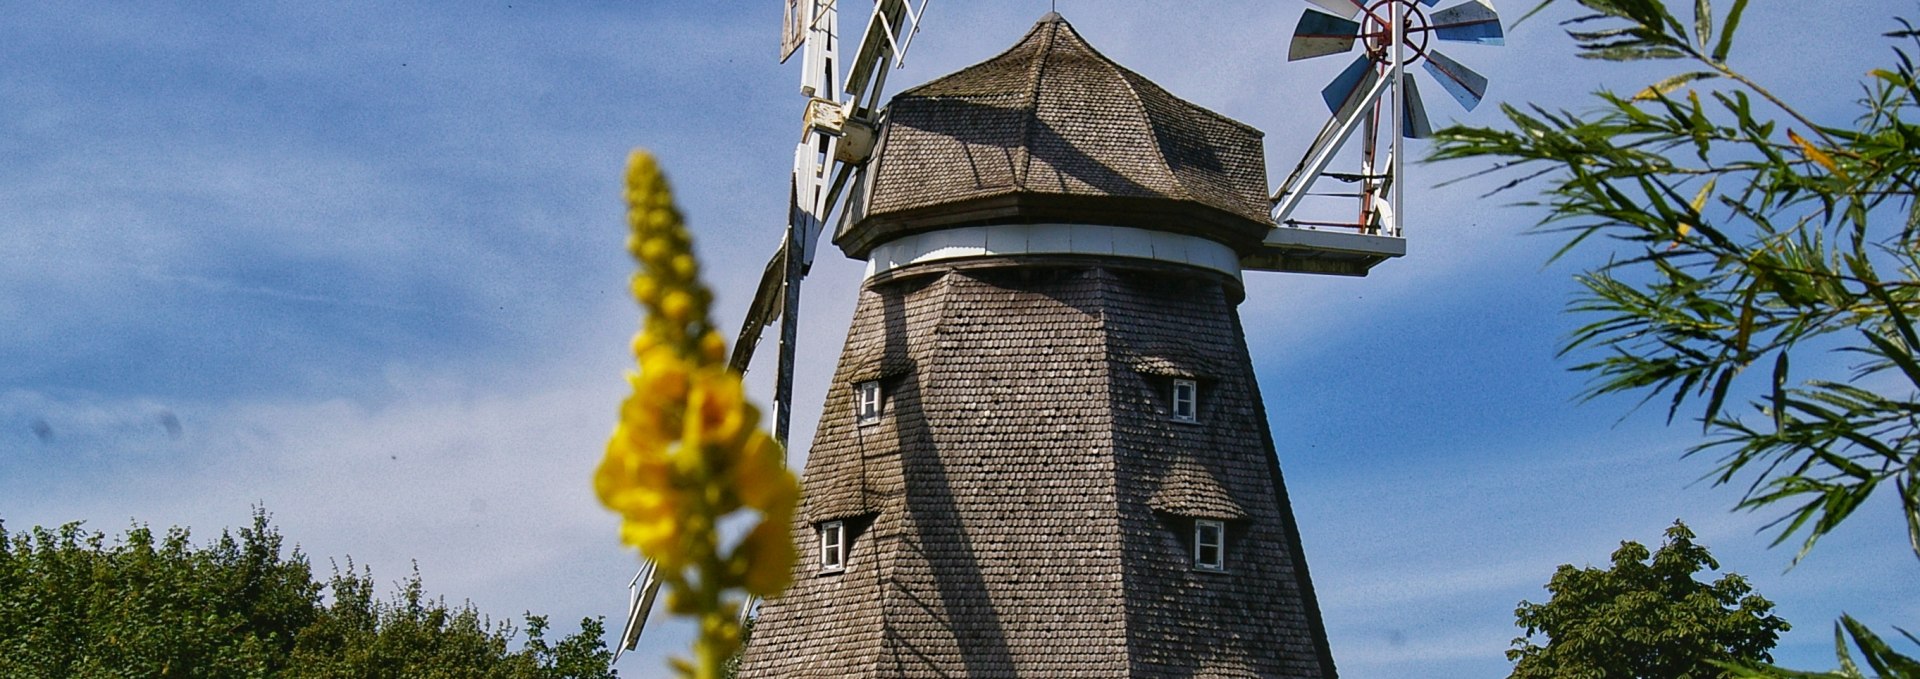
(684, 267)
(762, 481)
(677, 306)
(713, 347)
(646, 290)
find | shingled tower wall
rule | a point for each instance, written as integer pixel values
(1052, 242)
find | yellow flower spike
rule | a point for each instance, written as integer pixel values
(768, 556)
(687, 452)
(713, 347)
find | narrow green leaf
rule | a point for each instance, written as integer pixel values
(1536, 10)
(1876, 652)
(1779, 401)
(1726, 32)
(1894, 352)
(1703, 22)
(1629, 53)
(1672, 83)
(1910, 505)
(1718, 398)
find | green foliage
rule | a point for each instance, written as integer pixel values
(1645, 618)
(1742, 242)
(72, 605)
(1878, 656)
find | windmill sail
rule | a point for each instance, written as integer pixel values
(1474, 22)
(793, 31)
(1320, 34)
(764, 311)
(1417, 125)
(640, 596)
(1343, 94)
(1466, 86)
(1345, 8)
(889, 30)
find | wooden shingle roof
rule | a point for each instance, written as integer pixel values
(1053, 131)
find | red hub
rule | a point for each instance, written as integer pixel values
(1376, 31)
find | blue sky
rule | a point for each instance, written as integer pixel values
(360, 263)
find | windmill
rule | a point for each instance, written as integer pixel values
(1392, 35)
(835, 143)
(1192, 222)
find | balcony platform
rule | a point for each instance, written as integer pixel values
(1315, 251)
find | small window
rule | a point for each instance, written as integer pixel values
(1186, 401)
(868, 401)
(1209, 545)
(833, 546)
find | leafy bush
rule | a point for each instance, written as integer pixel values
(73, 605)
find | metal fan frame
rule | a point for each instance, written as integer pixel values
(1391, 35)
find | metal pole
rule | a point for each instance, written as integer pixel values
(1397, 161)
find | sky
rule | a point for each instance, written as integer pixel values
(360, 264)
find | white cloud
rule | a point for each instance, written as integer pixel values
(487, 490)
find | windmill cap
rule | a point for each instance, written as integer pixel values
(1052, 131)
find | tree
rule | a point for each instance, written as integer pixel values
(1646, 617)
(1744, 243)
(72, 605)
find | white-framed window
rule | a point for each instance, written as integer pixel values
(867, 401)
(1186, 401)
(1209, 545)
(833, 546)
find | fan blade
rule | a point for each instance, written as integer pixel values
(1321, 34)
(768, 299)
(1470, 22)
(641, 593)
(1414, 122)
(1466, 86)
(1343, 8)
(1344, 92)
(1430, 3)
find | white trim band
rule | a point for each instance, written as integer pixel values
(1052, 239)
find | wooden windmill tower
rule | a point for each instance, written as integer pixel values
(1044, 452)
